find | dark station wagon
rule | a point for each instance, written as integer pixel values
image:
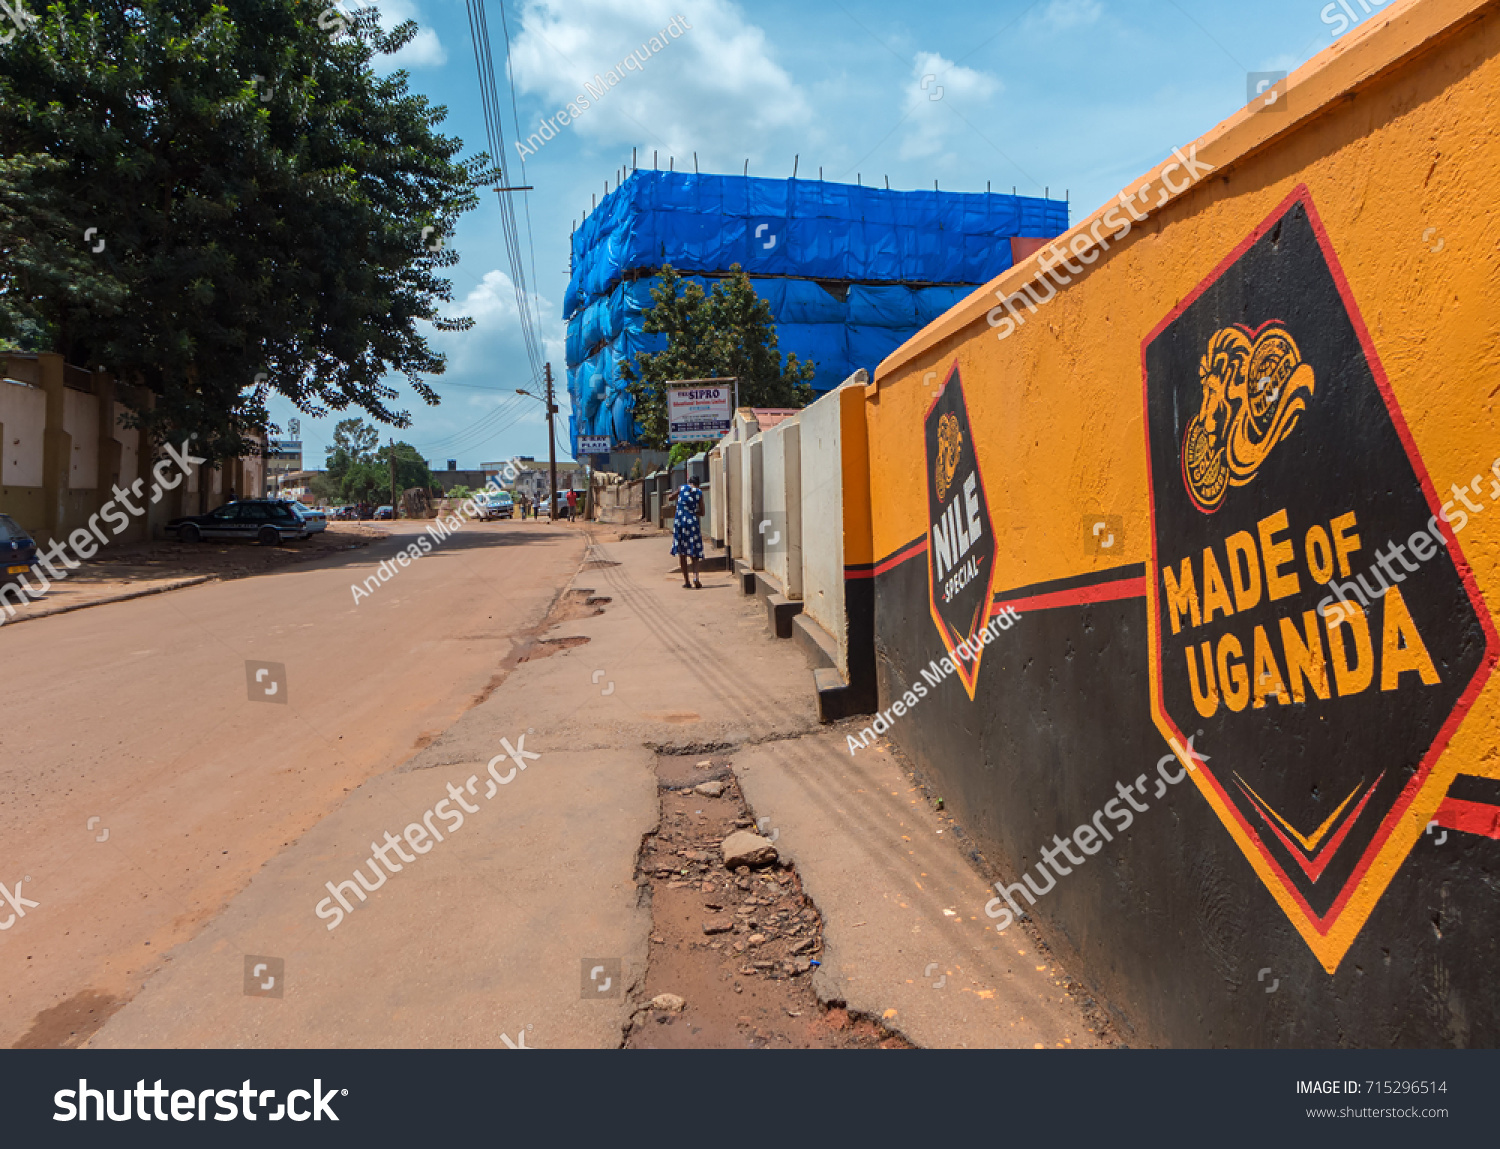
(267, 521)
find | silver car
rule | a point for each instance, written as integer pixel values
(314, 519)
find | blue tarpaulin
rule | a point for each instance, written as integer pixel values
(895, 261)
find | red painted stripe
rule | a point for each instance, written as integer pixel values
(1082, 596)
(1315, 866)
(1470, 817)
(917, 548)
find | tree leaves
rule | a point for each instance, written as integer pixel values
(728, 332)
(263, 196)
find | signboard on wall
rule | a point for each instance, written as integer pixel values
(961, 540)
(1312, 617)
(699, 409)
(593, 444)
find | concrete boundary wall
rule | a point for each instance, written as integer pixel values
(717, 502)
(805, 479)
(791, 505)
(23, 416)
(64, 446)
(733, 505)
(821, 454)
(747, 528)
(1173, 442)
(773, 538)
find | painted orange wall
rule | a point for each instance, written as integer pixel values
(1393, 132)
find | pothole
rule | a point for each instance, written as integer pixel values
(679, 749)
(738, 947)
(581, 602)
(545, 646)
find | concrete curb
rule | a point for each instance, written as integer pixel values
(126, 597)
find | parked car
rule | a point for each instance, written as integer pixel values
(17, 550)
(267, 521)
(385, 512)
(315, 519)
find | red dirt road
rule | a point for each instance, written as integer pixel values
(141, 787)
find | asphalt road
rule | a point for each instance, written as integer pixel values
(146, 778)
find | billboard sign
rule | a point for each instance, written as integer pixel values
(699, 409)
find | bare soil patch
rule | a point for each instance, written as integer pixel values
(167, 558)
(70, 1023)
(737, 946)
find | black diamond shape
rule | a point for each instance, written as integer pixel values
(1317, 784)
(960, 540)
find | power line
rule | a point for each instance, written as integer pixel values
(494, 129)
(515, 119)
(456, 441)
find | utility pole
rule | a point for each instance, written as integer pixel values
(395, 506)
(551, 448)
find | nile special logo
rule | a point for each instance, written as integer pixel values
(960, 540)
(1255, 385)
(950, 443)
(1310, 614)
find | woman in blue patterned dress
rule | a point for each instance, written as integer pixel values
(687, 533)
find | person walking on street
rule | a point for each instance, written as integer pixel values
(687, 531)
(572, 503)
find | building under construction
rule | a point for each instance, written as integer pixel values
(850, 272)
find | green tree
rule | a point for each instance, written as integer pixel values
(262, 196)
(366, 483)
(44, 271)
(411, 468)
(728, 332)
(354, 441)
(324, 488)
(369, 479)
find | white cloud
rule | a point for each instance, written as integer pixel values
(1062, 15)
(495, 346)
(715, 81)
(934, 83)
(424, 50)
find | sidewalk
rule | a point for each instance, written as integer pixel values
(495, 929)
(895, 892)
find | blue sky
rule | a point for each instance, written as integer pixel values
(1073, 95)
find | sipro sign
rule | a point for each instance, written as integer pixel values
(699, 409)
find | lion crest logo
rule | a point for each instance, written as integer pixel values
(950, 445)
(1255, 387)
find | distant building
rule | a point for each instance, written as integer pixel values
(532, 477)
(849, 272)
(293, 485)
(283, 456)
(498, 471)
(446, 479)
